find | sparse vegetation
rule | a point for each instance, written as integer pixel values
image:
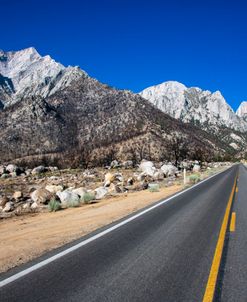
(54, 205)
(87, 197)
(194, 178)
(153, 188)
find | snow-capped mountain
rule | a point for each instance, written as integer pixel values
(26, 73)
(204, 108)
(242, 110)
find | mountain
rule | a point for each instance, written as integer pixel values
(26, 73)
(242, 111)
(194, 105)
(57, 115)
(207, 110)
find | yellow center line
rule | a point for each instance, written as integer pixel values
(233, 222)
(212, 279)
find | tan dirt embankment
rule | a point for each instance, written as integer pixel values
(26, 237)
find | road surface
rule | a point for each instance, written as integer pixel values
(164, 254)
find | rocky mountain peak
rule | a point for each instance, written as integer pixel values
(242, 111)
(32, 74)
(201, 107)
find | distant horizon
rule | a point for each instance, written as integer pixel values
(133, 45)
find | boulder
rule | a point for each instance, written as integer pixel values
(196, 168)
(109, 178)
(114, 164)
(113, 189)
(11, 168)
(159, 175)
(17, 195)
(54, 188)
(148, 168)
(39, 170)
(68, 198)
(128, 164)
(41, 196)
(118, 177)
(9, 206)
(3, 201)
(141, 176)
(80, 191)
(100, 192)
(130, 181)
(34, 206)
(169, 170)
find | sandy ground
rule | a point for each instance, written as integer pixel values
(27, 237)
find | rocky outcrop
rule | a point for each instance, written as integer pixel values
(201, 107)
(242, 111)
(26, 73)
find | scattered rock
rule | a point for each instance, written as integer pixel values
(130, 181)
(39, 170)
(17, 195)
(148, 168)
(68, 198)
(159, 175)
(3, 201)
(169, 170)
(128, 164)
(80, 191)
(113, 189)
(34, 206)
(11, 168)
(41, 196)
(196, 168)
(100, 193)
(114, 164)
(118, 177)
(109, 178)
(53, 188)
(9, 206)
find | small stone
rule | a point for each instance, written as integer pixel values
(9, 206)
(3, 201)
(17, 195)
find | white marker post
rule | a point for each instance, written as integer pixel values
(184, 176)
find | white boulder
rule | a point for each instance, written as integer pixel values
(169, 170)
(148, 168)
(53, 188)
(100, 192)
(68, 198)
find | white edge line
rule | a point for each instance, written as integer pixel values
(86, 241)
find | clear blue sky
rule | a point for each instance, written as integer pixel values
(136, 44)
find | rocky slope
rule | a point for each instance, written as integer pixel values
(57, 115)
(89, 121)
(242, 111)
(205, 109)
(194, 104)
(25, 73)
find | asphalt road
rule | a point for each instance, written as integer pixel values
(163, 255)
(234, 283)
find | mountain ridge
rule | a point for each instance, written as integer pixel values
(73, 119)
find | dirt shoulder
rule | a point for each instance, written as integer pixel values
(46, 231)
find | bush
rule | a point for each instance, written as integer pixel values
(54, 205)
(153, 188)
(88, 196)
(194, 178)
(73, 203)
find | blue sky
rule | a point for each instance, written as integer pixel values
(136, 44)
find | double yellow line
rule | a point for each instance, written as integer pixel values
(211, 284)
